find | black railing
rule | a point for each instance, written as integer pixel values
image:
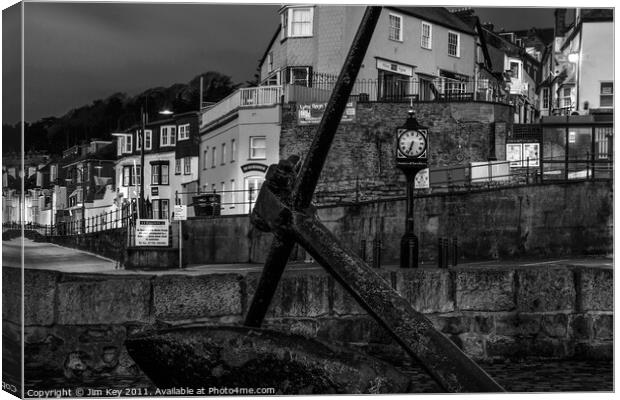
(319, 85)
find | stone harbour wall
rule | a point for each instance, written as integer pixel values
(75, 324)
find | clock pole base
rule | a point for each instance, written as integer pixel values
(409, 251)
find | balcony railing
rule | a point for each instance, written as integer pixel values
(246, 97)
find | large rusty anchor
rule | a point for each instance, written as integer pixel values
(284, 207)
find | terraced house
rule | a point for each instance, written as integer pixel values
(170, 163)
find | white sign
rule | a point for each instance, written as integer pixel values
(152, 232)
(514, 153)
(180, 213)
(518, 154)
(394, 67)
(421, 180)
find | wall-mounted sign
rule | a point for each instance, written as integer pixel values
(254, 167)
(154, 191)
(519, 153)
(394, 67)
(152, 232)
(311, 113)
(572, 137)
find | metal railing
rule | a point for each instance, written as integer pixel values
(318, 87)
(466, 178)
(119, 218)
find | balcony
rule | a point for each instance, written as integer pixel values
(260, 96)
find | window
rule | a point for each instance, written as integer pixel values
(301, 22)
(168, 135)
(514, 69)
(427, 36)
(284, 20)
(131, 175)
(148, 139)
(566, 97)
(223, 191)
(187, 165)
(252, 187)
(159, 174)
(233, 150)
(545, 99)
(138, 140)
(160, 208)
(454, 44)
(177, 166)
(128, 144)
(607, 94)
(204, 158)
(213, 156)
(298, 76)
(270, 62)
(396, 27)
(184, 132)
(223, 158)
(233, 197)
(257, 147)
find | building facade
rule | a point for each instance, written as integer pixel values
(415, 52)
(170, 163)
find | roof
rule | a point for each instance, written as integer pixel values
(273, 39)
(438, 15)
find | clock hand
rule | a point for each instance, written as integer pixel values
(410, 147)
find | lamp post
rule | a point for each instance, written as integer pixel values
(411, 157)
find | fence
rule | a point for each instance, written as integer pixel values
(319, 86)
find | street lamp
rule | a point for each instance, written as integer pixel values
(411, 158)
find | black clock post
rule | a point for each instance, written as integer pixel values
(411, 158)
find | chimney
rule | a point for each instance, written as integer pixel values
(488, 26)
(560, 22)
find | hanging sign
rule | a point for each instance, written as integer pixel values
(152, 232)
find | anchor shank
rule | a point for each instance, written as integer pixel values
(452, 369)
(317, 154)
(276, 260)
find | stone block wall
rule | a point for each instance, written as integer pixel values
(76, 324)
(458, 133)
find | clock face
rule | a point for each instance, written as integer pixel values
(412, 143)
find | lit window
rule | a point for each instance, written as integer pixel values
(514, 69)
(427, 35)
(258, 147)
(454, 44)
(607, 94)
(184, 132)
(396, 27)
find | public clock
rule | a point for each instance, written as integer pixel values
(412, 143)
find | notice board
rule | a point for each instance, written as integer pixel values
(152, 232)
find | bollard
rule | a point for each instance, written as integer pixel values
(455, 252)
(376, 252)
(363, 250)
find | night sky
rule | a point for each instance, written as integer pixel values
(76, 53)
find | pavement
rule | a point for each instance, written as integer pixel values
(48, 256)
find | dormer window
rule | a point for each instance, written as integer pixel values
(297, 22)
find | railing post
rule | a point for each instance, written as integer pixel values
(527, 171)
